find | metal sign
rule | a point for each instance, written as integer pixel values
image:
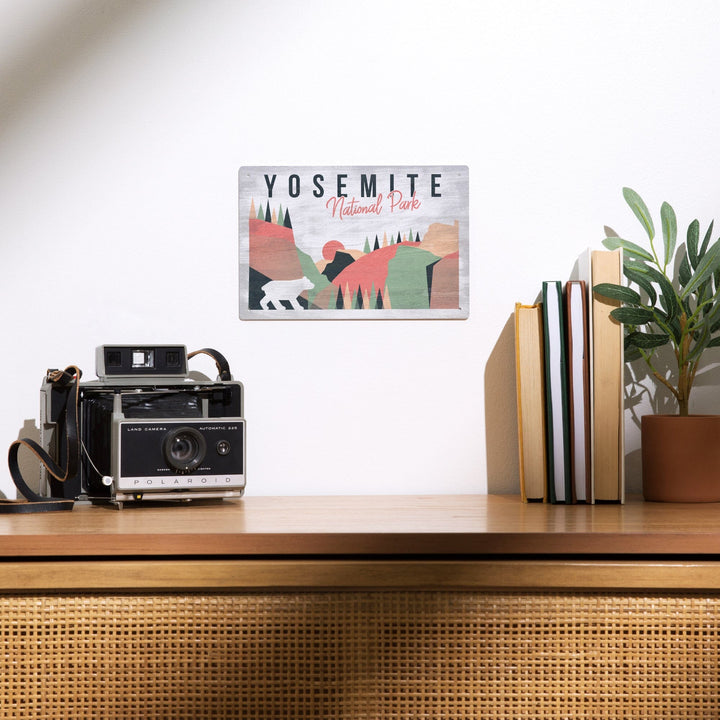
(353, 242)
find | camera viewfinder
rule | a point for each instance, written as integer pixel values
(143, 359)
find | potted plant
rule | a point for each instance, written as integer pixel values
(676, 303)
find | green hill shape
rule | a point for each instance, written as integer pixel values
(408, 278)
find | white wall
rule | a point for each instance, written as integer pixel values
(122, 128)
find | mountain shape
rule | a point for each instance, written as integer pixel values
(273, 252)
(339, 263)
(442, 239)
(401, 269)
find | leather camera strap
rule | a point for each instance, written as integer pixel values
(70, 377)
(222, 364)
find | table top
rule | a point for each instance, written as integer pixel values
(366, 526)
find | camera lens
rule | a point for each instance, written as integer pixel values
(184, 449)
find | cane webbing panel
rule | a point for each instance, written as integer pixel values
(397, 654)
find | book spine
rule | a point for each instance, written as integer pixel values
(557, 421)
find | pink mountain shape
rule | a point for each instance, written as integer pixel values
(368, 271)
(273, 252)
(445, 283)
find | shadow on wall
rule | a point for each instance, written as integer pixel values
(501, 435)
(66, 36)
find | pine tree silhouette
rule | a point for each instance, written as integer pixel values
(286, 220)
(379, 301)
(268, 214)
(376, 246)
(339, 302)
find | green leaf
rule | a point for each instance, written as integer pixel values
(637, 264)
(674, 325)
(709, 315)
(711, 318)
(693, 238)
(698, 348)
(632, 316)
(639, 277)
(669, 230)
(706, 267)
(702, 295)
(715, 342)
(686, 308)
(630, 248)
(617, 292)
(670, 305)
(706, 240)
(684, 271)
(667, 292)
(640, 209)
(646, 341)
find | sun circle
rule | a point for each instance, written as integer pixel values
(330, 248)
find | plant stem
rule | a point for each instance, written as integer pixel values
(685, 367)
(684, 388)
(661, 379)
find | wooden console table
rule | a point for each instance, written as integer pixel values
(364, 607)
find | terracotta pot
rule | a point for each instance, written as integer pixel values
(681, 458)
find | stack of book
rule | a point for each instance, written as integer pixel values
(569, 371)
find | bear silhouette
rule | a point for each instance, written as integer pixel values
(278, 290)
